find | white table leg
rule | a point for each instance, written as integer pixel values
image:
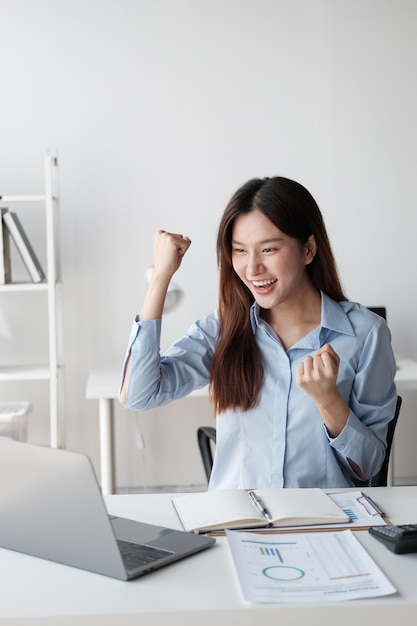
(107, 446)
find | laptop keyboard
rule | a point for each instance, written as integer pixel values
(135, 555)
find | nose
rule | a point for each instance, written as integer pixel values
(254, 265)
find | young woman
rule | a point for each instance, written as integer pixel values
(302, 380)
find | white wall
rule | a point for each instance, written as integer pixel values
(159, 110)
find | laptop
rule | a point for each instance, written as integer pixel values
(52, 507)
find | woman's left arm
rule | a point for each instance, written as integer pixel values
(356, 431)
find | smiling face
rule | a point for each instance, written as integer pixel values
(271, 264)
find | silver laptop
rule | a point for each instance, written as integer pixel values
(52, 507)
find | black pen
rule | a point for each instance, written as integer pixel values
(258, 502)
(375, 506)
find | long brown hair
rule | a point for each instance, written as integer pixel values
(236, 374)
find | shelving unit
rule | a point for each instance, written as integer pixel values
(52, 369)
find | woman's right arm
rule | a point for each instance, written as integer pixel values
(169, 250)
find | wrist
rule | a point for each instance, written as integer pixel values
(335, 413)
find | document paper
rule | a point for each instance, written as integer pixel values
(358, 507)
(305, 567)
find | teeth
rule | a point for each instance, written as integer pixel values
(263, 283)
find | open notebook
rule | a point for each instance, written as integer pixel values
(237, 508)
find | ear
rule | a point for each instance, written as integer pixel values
(310, 249)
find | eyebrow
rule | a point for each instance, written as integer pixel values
(263, 242)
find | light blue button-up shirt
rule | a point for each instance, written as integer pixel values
(283, 441)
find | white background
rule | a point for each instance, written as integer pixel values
(159, 110)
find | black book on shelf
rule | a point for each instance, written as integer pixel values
(23, 245)
(5, 271)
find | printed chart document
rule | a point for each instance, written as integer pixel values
(237, 508)
(305, 567)
(362, 510)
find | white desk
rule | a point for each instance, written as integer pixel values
(201, 589)
(406, 376)
(103, 385)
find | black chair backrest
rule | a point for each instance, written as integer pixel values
(379, 310)
(205, 436)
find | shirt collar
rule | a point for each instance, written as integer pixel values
(333, 318)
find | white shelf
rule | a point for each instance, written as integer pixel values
(49, 372)
(26, 198)
(19, 287)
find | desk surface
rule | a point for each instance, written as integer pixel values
(202, 589)
(406, 376)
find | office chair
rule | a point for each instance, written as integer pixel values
(379, 310)
(206, 437)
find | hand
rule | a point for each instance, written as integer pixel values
(169, 250)
(317, 374)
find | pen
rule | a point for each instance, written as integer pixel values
(375, 506)
(258, 502)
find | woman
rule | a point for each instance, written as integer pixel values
(301, 379)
